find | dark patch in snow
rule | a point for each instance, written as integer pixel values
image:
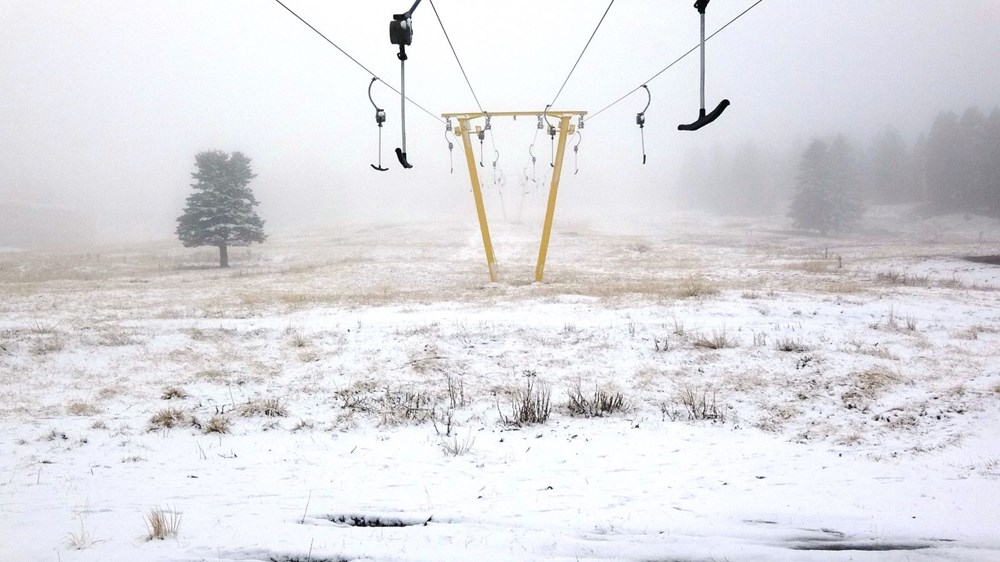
(989, 260)
(860, 546)
(361, 520)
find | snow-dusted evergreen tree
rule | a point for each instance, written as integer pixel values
(827, 195)
(221, 212)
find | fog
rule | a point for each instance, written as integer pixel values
(104, 104)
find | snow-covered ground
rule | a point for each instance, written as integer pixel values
(341, 395)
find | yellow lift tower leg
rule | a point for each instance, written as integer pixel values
(565, 130)
(543, 250)
(484, 227)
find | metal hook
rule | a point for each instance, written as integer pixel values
(451, 145)
(640, 120)
(481, 134)
(379, 119)
(576, 152)
(552, 136)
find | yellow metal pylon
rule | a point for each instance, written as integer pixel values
(566, 128)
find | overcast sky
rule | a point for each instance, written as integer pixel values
(104, 103)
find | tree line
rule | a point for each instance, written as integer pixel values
(955, 167)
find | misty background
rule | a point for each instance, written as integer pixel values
(103, 104)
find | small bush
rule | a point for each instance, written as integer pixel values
(698, 407)
(161, 524)
(600, 403)
(694, 287)
(529, 405)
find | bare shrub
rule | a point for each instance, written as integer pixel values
(699, 405)
(168, 418)
(456, 391)
(161, 523)
(303, 425)
(403, 405)
(718, 339)
(269, 407)
(218, 424)
(678, 327)
(529, 405)
(172, 392)
(601, 403)
(99, 424)
(790, 345)
(456, 446)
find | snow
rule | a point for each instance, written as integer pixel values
(874, 437)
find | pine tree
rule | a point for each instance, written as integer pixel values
(827, 195)
(221, 212)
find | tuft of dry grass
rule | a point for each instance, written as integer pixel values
(694, 287)
(162, 523)
(789, 344)
(718, 339)
(218, 424)
(80, 540)
(82, 409)
(456, 446)
(168, 418)
(172, 392)
(269, 407)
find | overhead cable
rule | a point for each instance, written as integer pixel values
(581, 54)
(355, 61)
(462, 68)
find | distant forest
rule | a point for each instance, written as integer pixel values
(955, 167)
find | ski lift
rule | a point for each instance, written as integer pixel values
(401, 33)
(703, 118)
(379, 119)
(481, 135)
(640, 120)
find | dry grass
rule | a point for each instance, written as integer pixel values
(529, 405)
(601, 403)
(82, 409)
(718, 339)
(161, 524)
(789, 344)
(218, 424)
(456, 446)
(80, 540)
(694, 287)
(268, 407)
(168, 418)
(172, 392)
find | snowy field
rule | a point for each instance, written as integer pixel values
(719, 390)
